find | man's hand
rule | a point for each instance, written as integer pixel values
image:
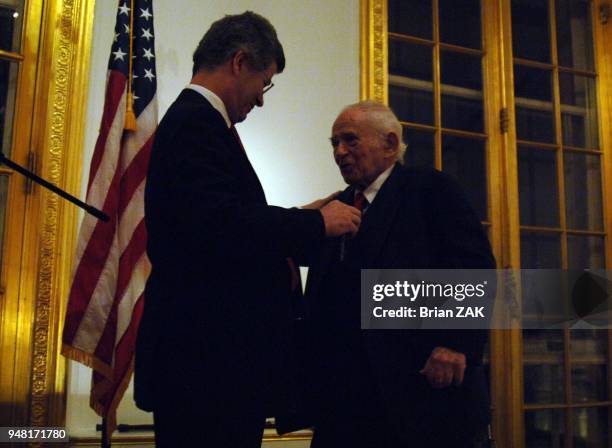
(319, 203)
(444, 366)
(340, 218)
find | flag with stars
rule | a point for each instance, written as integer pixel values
(111, 265)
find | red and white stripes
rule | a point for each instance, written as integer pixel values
(111, 266)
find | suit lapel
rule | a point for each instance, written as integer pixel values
(330, 253)
(376, 222)
(347, 196)
(331, 250)
(234, 145)
(365, 249)
(246, 163)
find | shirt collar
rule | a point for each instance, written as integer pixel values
(214, 101)
(372, 190)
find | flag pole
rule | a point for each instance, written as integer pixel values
(130, 116)
(105, 443)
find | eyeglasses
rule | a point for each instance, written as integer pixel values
(268, 87)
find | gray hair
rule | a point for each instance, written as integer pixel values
(383, 119)
(248, 32)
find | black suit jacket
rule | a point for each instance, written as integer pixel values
(418, 220)
(217, 316)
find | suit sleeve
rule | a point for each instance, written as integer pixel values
(201, 204)
(460, 243)
(461, 240)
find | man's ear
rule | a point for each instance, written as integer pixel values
(391, 143)
(238, 61)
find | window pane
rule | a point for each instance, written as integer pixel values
(534, 109)
(420, 150)
(589, 351)
(464, 159)
(410, 104)
(591, 427)
(544, 429)
(530, 35)
(583, 200)
(461, 92)
(8, 87)
(410, 60)
(411, 17)
(591, 344)
(543, 366)
(410, 82)
(574, 34)
(11, 22)
(460, 22)
(589, 382)
(538, 193)
(586, 252)
(540, 251)
(578, 111)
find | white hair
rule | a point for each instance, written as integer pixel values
(383, 119)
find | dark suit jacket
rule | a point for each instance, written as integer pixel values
(418, 220)
(217, 316)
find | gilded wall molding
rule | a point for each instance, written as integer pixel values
(62, 51)
(64, 67)
(374, 50)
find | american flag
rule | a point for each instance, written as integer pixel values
(111, 266)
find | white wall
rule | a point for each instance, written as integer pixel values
(287, 139)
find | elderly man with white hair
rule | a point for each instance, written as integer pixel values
(393, 388)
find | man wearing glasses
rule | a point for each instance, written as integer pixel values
(214, 343)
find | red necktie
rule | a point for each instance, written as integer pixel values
(360, 201)
(295, 276)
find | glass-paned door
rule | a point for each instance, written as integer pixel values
(11, 21)
(452, 71)
(19, 36)
(439, 63)
(566, 371)
(435, 72)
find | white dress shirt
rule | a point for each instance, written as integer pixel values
(372, 190)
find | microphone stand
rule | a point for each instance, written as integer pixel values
(39, 180)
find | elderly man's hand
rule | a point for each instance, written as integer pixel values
(316, 205)
(444, 366)
(340, 219)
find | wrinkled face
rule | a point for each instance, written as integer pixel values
(361, 152)
(249, 91)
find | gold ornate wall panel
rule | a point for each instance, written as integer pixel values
(57, 105)
(64, 76)
(373, 52)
